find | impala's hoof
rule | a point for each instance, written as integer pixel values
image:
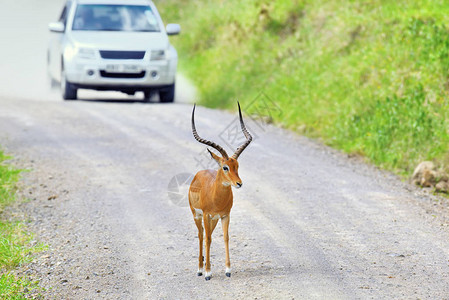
(208, 275)
(228, 271)
(199, 274)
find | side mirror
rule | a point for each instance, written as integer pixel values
(173, 29)
(56, 27)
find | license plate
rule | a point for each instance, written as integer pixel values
(119, 68)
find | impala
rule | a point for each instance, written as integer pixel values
(210, 195)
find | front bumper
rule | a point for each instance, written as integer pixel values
(121, 75)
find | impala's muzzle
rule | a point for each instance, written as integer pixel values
(238, 185)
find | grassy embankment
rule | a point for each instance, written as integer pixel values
(15, 248)
(366, 77)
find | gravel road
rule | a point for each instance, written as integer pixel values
(309, 222)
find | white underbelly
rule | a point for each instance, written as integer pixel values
(216, 217)
(198, 213)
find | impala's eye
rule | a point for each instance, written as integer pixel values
(225, 168)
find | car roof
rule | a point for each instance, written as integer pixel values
(116, 2)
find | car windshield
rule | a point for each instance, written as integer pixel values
(115, 18)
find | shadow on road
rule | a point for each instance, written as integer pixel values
(109, 100)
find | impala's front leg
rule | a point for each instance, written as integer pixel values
(225, 224)
(209, 226)
(198, 222)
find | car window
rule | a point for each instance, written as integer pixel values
(115, 18)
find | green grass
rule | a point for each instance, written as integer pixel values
(8, 179)
(13, 287)
(16, 247)
(366, 77)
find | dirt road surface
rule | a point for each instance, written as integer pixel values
(309, 222)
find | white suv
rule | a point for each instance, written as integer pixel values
(119, 45)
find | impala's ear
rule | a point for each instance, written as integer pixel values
(214, 156)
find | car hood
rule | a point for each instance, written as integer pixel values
(111, 40)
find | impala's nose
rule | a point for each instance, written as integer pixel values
(238, 185)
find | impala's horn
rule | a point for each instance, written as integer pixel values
(206, 142)
(248, 136)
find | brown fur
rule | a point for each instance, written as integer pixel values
(211, 192)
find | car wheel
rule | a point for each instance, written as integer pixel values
(52, 83)
(69, 92)
(167, 95)
(147, 96)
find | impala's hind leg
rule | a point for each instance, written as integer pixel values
(225, 224)
(199, 224)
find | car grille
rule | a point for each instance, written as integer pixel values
(122, 54)
(122, 75)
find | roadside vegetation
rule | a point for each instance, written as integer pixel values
(368, 77)
(15, 241)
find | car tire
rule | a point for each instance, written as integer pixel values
(147, 96)
(53, 83)
(69, 92)
(167, 95)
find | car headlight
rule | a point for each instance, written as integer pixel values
(158, 55)
(86, 53)
(73, 51)
(69, 52)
